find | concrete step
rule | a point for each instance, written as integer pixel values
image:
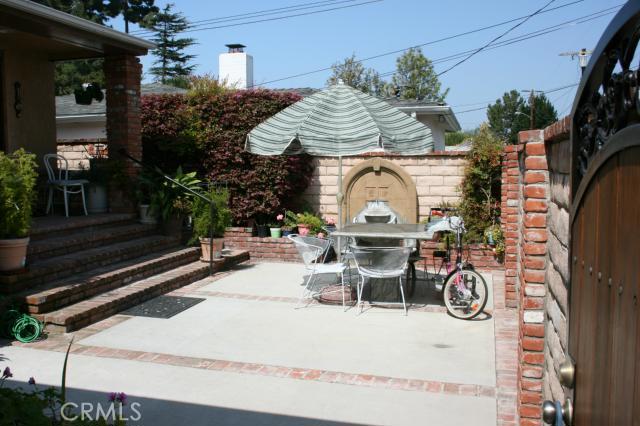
(60, 293)
(58, 267)
(83, 239)
(106, 304)
(53, 226)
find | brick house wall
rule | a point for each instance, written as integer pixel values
(535, 220)
(436, 176)
(78, 152)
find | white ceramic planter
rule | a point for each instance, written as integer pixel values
(13, 254)
(145, 215)
(97, 201)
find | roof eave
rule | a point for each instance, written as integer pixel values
(136, 45)
(445, 110)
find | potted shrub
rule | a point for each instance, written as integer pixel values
(276, 227)
(309, 224)
(146, 186)
(98, 177)
(204, 223)
(171, 203)
(290, 222)
(18, 175)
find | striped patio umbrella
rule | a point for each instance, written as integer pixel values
(340, 121)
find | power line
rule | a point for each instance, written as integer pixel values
(524, 37)
(451, 37)
(260, 13)
(283, 17)
(555, 89)
(495, 39)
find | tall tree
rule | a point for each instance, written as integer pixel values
(172, 63)
(71, 74)
(415, 77)
(354, 74)
(511, 114)
(102, 10)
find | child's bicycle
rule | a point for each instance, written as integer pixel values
(464, 291)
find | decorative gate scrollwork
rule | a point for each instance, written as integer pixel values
(608, 98)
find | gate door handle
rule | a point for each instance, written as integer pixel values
(555, 414)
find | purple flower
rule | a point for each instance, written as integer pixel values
(7, 373)
(122, 398)
(32, 381)
(112, 396)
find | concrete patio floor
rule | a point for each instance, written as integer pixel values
(245, 355)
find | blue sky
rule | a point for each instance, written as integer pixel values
(286, 47)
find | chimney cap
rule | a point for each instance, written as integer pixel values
(235, 47)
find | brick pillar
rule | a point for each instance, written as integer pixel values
(531, 273)
(510, 219)
(122, 74)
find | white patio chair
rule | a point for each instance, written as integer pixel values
(381, 262)
(60, 181)
(313, 252)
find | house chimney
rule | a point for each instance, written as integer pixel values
(235, 68)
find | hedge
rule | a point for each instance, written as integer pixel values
(206, 133)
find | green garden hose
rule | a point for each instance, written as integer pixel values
(23, 327)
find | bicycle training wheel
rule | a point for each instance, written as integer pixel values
(465, 294)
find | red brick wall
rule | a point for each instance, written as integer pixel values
(525, 206)
(283, 250)
(122, 74)
(261, 249)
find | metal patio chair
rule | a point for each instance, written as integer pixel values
(60, 181)
(381, 262)
(313, 252)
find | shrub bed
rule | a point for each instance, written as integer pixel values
(206, 132)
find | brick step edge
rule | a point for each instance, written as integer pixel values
(59, 245)
(75, 263)
(98, 308)
(93, 283)
(77, 223)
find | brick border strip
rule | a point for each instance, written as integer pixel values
(506, 333)
(309, 374)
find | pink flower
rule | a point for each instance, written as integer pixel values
(280, 217)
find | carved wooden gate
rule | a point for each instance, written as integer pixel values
(604, 333)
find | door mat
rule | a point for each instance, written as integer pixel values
(162, 307)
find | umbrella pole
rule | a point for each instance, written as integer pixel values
(339, 198)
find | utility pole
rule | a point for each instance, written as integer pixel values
(582, 55)
(532, 104)
(125, 9)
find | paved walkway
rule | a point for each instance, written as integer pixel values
(245, 356)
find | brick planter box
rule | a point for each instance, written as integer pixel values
(283, 250)
(261, 249)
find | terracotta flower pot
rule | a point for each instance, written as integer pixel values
(303, 230)
(218, 244)
(13, 254)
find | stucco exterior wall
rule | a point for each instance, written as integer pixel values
(437, 130)
(437, 177)
(35, 129)
(74, 132)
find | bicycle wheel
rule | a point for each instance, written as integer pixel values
(465, 294)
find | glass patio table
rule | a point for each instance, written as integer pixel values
(387, 231)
